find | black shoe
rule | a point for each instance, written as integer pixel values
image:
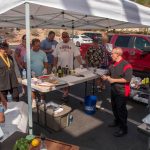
(120, 133)
(113, 124)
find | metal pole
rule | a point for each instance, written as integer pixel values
(27, 19)
(85, 91)
(148, 143)
(72, 29)
(93, 87)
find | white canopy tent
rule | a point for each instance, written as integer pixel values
(80, 14)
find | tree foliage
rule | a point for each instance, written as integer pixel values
(143, 2)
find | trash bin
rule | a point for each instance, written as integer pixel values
(90, 104)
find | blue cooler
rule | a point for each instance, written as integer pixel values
(90, 104)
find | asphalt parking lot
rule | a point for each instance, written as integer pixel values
(91, 132)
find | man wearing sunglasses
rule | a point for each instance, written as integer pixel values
(64, 55)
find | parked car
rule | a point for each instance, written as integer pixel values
(136, 50)
(93, 35)
(79, 39)
(83, 49)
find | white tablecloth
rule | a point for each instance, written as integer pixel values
(70, 79)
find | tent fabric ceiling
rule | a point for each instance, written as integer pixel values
(79, 14)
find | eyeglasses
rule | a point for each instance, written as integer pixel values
(113, 53)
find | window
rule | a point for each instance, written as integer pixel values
(122, 41)
(76, 37)
(140, 43)
(84, 36)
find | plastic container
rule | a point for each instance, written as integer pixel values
(90, 104)
(9, 97)
(1, 108)
(70, 119)
(24, 75)
(43, 145)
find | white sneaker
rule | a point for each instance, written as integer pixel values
(33, 103)
(98, 104)
(21, 94)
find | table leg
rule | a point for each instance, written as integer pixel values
(38, 96)
(149, 143)
(85, 92)
(93, 87)
(45, 118)
(37, 105)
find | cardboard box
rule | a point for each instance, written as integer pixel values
(55, 121)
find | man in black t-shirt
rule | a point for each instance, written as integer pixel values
(120, 77)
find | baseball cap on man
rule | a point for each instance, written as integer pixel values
(65, 35)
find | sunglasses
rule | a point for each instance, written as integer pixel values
(65, 36)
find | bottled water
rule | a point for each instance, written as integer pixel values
(33, 74)
(70, 119)
(43, 145)
(1, 108)
(24, 74)
(2, 125)
(9, 97)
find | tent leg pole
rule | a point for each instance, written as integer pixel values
(148, 143)
(27, 22)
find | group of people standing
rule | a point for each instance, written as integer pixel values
(48, 54)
